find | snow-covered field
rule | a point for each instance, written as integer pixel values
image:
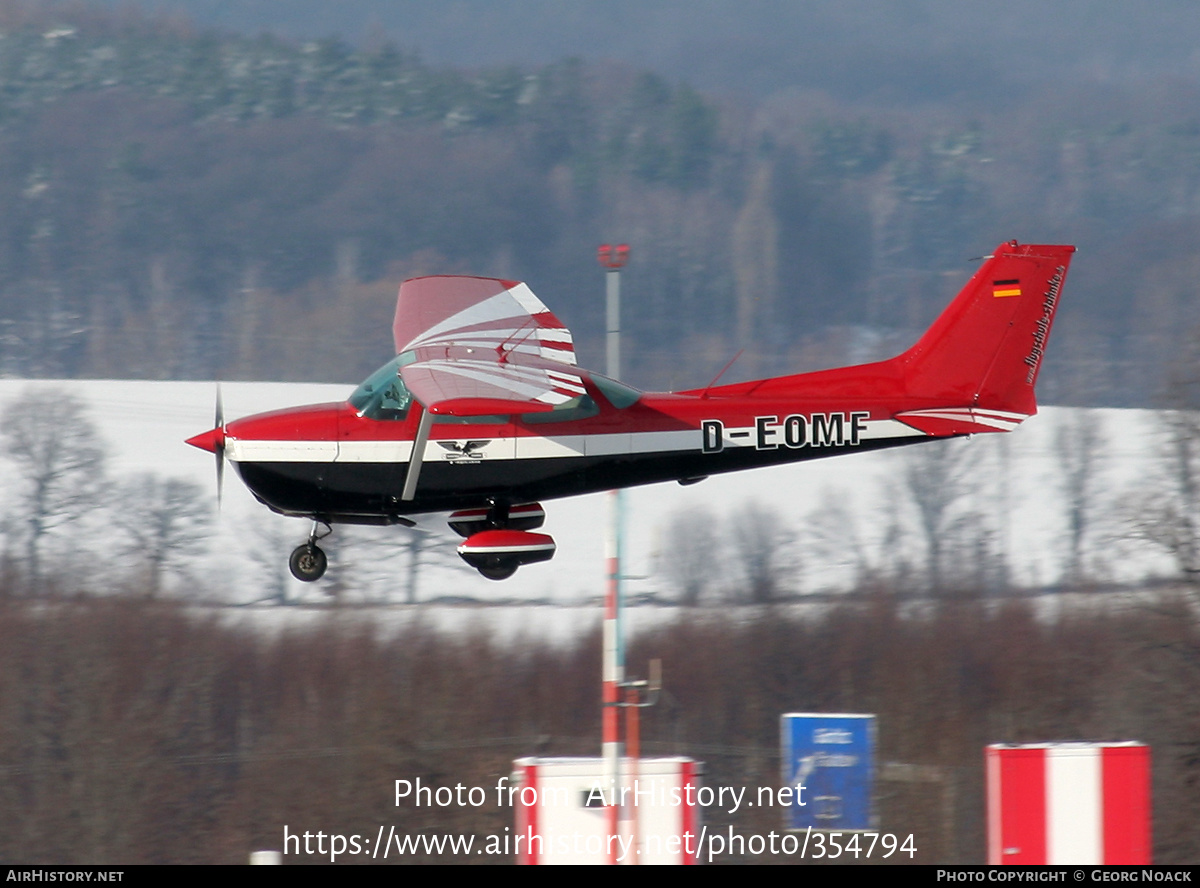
(1015, 484)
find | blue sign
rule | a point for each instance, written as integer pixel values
(833, 758)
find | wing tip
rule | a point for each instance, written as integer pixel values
(504, 282)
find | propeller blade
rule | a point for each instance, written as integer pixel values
(220, 474)
(219, 450)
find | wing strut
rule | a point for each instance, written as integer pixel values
(418, 454)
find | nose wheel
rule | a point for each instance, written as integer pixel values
(308, 561)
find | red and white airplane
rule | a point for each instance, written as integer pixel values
(484, 413)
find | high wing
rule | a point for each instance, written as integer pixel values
(482, 346)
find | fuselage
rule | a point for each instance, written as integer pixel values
(337, 463)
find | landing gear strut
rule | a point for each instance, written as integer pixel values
(308, 561)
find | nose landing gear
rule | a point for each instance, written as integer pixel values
(308, 561)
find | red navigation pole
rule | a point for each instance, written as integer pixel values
(613, 671)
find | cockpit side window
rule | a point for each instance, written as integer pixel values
(616, 393)
(577, 408)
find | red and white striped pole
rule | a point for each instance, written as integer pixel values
(613, 669)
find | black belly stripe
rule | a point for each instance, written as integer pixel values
(355, 491)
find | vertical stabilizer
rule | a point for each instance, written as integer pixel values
(985, 350)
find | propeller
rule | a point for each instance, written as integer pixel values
(219, 449)
(214, 442)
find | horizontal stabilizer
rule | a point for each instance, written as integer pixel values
(961, 420)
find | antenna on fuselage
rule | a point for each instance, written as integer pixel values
(704, 394)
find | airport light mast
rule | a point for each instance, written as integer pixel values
(613, 259)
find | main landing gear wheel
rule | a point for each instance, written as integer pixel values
(498, 538)
(498, 553)
(499, 571)
(308, 563)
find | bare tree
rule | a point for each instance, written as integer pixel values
(421, 547)
(973, 559)
(691, 557)
(1168, 515)
(167, 520)
(833, 535)
(270, 538)
(936, 477)
(60, 464)
(383, 553)
(1079, 450)
(761, 546)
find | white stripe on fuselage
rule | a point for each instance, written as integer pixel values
(520, 447)
(240, 450)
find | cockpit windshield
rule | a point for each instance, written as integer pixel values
(383, 394)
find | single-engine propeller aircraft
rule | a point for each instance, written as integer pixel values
(484, 413)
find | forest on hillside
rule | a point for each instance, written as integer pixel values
(182, 203)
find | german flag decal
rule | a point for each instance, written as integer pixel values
(1006, 288)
